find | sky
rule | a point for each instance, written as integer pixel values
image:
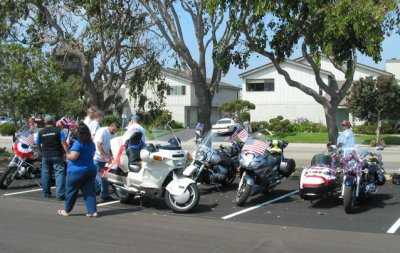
(391, 49)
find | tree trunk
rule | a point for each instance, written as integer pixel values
(330, 116)
(204, 100)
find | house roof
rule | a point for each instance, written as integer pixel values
(360, 65)
(290, 62)
(186, 75)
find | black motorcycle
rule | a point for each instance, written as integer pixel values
(214, 166)
(263, 167)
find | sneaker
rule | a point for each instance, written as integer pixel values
(107, 199)
(61, 199)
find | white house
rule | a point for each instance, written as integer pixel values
(181, 100)
(268, 90)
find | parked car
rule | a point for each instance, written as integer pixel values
(224, 126)
(4, 119)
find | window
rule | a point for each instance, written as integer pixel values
(176, 90)
(260, 85)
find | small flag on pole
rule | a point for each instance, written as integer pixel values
(240, 136)
(255, 146)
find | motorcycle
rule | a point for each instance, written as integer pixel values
(26, 163)
(263, 167)
(214, 166)
(152, 171)
(361, 177)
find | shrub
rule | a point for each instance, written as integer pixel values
(178, 124)
(108, 119)
(322, 129)
(163, 119)
(364, 129)
(8, 129)
(375, 143)
(258, 125)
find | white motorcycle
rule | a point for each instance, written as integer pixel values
(152, 171)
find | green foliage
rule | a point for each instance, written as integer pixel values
(370, 128)
(259, 125)
(154, 118)
(8, 129)
(280, 126)
(108, 119)
(370, 96)
(238, 109)
(178, 124)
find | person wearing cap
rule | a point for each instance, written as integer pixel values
(133, 127)
(53, 144)
(102, 156)
(89, 116)
(345, 139)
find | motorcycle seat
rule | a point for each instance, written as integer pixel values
(135, 167)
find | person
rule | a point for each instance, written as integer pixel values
(81, 173)
(345, 140)
(89, 116)
(51, 140)
(96, 123)
(64, 124)
(133, 127)
(103, 156)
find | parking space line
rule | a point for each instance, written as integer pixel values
(17, 193)
(108, 203)
(394, 227)
(259, 205)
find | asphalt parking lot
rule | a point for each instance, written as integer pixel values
(282, 207)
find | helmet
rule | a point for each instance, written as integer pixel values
(346, 123)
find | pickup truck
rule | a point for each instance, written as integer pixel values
(224, 126)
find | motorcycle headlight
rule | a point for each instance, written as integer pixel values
(254, 165)
(215, 159)
(201, 156)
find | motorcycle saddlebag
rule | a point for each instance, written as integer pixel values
(287, 167)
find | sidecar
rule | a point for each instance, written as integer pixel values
(320, 179)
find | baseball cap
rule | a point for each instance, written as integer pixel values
(48, 119)
(135, 117)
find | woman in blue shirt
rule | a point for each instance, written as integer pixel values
(81, 173)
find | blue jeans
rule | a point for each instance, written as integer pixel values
(58, 165)
(101, 185)
(83, 181)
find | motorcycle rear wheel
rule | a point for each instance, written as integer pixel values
(243, 193)
(8, 176)
(188, 205)
(123, 196)
(349, 199)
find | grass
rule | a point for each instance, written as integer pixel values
(323, 138)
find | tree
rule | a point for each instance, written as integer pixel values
(375, 100)
(214, 31)
(31, 84)
(337, 29)
(238, 109)
(99, 40)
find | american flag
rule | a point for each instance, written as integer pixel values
(242, 136)
(255, 146)
(27, 138)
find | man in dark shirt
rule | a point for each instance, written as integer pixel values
(53, 144)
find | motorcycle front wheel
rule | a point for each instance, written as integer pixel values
(349, 198)
(180, 204)
(243, 193)
(7, 177)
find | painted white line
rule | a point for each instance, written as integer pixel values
(108, 203)
(394, 227)
(259, 205)
(17, 193)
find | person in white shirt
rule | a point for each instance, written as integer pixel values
(133, 127)
(103, 156)
(96, 123)
(89, 116)
(345, 140)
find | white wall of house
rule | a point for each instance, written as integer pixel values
(287, 101)
(181, 101)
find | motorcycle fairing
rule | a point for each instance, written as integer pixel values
(179, 185)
